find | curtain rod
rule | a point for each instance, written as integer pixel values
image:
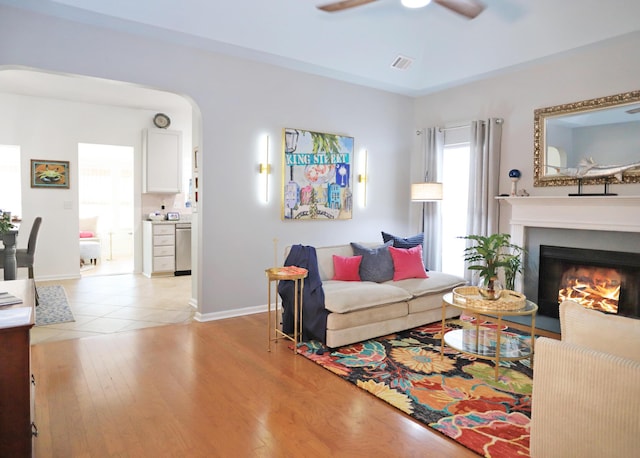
(461, 126)
(444, 129)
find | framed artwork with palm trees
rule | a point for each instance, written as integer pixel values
(317, 182)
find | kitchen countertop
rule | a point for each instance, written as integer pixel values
(180, 221)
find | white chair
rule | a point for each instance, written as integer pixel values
(586, 388)
(90, 244)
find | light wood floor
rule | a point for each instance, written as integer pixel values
(210, 390)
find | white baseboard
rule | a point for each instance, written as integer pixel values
(55, 277)
(202, 317)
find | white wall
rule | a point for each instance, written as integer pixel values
(609, 68)
(51, 129)
(239, 102)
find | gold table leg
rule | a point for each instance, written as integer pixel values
(269, 314)
(444, 315)
(498, 334)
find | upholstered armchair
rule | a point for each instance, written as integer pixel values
(586, 387)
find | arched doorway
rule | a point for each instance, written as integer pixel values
(73, 109)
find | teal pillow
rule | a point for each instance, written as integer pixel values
(376, 264)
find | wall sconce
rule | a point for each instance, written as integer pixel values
(363, 178)
(264, 169)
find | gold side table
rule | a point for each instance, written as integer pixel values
(297, 275)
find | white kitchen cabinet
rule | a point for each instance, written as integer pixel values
(162, 161)
(158, 248)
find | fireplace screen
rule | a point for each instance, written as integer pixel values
(607, 281)
(593, 287)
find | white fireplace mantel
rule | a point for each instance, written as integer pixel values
(599, 213)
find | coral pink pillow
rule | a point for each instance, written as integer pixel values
(346, 268)
(407, 263)
(86, 234)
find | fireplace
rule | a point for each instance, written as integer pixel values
(595, 222)
(608, 281)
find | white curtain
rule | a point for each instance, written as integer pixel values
(433, 145)
(483, 217)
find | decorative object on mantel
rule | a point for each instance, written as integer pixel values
(588, 168)
(490, 256)
(515, 175)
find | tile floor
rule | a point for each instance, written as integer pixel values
(104, 304)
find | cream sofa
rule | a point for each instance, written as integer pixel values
(361, 310)
(586, 388)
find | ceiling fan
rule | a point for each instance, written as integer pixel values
(467, 8)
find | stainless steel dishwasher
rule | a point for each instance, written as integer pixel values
(183, 249)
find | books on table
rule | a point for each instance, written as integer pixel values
(9, 299)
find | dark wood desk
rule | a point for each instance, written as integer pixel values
(10, 241)
(16, 437)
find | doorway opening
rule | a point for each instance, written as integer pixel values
(11, 183)
(106, 208)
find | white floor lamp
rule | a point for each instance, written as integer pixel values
(425, 192)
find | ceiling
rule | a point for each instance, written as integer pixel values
(359, 45)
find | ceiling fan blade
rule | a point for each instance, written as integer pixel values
(343, 5)
(468, 8)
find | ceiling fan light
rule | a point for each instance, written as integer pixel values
(415, 3)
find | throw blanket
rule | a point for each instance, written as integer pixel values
(314, 315)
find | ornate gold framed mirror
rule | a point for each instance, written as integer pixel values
(589, 142)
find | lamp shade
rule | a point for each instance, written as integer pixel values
(425, 192)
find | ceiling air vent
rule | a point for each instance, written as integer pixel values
(402, 62)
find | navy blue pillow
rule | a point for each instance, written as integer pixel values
(400, 242)
(376, 264)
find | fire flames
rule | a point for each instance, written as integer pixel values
(593, 287)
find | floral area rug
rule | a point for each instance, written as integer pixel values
(456, 395)
(53, 306)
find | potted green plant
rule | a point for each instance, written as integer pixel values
(491, 255)
(514, 268)
(5, 223)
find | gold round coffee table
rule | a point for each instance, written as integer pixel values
(487, 343)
